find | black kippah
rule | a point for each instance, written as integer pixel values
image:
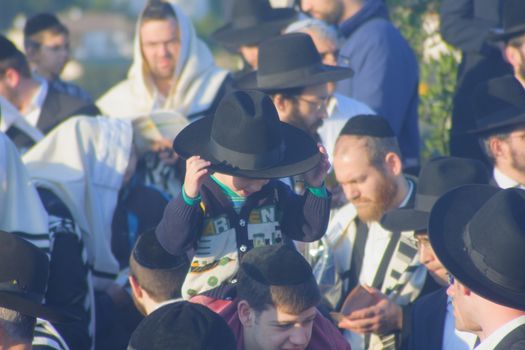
(367, 125)
(150, 254)
(276, 265)
(7, 48)
(182, 325)
(40, 22)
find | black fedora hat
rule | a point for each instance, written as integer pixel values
(246, 138)
(290, 61)
(24, 271)
(438, 176)
(253, 21)
(513, 21)
(478, 233)
(499, 104)
(182, 325)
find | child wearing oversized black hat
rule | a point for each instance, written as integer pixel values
(242, 205)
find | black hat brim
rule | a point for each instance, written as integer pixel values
(502, 124)
(29, 307)
(448, 220)
(300, 152)
(507, 34)
(319, 75)
(231, 36)
(405, 220)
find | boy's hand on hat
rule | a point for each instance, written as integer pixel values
(382, 318)
(316, 176)
(196, 171)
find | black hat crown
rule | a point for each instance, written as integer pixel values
(246, 131)
(499, 103)
(438, 176)
(513, 20)
(252, 21)
(495, 239)
(23, 269)
(442, 174)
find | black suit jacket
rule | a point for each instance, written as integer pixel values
(57, 107)
(515, 340)
(428, 321)
(465, 24)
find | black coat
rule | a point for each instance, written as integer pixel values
(57, 107)
(465, 25)
(428, 321)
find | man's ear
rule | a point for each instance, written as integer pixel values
(12, 77)
(246, 313)
(497, 147)
(393, 163)
(281, 103)
(135, 287)
(512, 55)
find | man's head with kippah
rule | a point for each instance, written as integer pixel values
(367, 165)
(277, 293)
(155, 275)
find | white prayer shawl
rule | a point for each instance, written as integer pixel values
(404, 276)
(196, 80)
(83, 161)
(10, 116)
(21, 210)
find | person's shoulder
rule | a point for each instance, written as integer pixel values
(71, 89)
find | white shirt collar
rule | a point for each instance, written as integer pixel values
(495, 338)
(405, 201)
(504, 181)
(33, 111)
(164, 303)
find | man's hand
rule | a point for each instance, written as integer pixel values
(196, 170)
(316, 176)
(382, 318)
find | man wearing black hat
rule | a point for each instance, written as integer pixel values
(23, 274)
(276, 304)
(156, 276)
(42, 105)
(478, 233)
(298, 84)
(512, 34)
(46, 43)
(252, 22)
(500, 125)
(368, 167)
(432, 321)
(385, 67)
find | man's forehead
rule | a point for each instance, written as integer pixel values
(349, 145)
(281, 314)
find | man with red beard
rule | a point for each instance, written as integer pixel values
(368, 167)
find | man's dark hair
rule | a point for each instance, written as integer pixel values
(292, 299)
(17, 327)
(12, 58)
(158, 10)
(156, 271)
(516, 41)
(39, 24)
(291, 289)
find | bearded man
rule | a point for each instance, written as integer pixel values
(368, 167)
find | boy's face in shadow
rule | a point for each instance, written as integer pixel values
(241, 185)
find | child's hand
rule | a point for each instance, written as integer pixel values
(316, 176)
(196, 170)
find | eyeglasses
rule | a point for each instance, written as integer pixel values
(451, 278)
(319, 104)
